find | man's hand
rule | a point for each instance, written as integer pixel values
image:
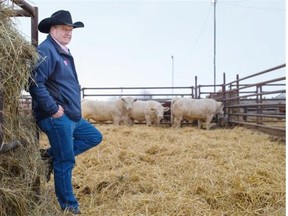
(59, 113)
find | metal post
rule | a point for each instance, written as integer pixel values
(237, 94)
(214, 2)
(224, 92)
(196, 87)
(29, 11)
(172, 57)
(34, 27)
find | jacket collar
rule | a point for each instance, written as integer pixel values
(58, 45)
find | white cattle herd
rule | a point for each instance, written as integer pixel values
(127, 110)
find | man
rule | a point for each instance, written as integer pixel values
(55, 91)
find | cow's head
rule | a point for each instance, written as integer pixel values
(159, 111)
(220, 107)
(128, 102)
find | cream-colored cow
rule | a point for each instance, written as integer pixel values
(103, 111)
(194, 109)
(150, 111)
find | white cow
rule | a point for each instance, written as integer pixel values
(150, 111)
(194, 109)
(112, 110)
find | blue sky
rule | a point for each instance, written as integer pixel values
(130, 43)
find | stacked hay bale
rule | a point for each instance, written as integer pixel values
(19, 169)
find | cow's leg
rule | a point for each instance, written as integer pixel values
(208, 120)
(200, 124)
(148, 120)
(177, 121)
(130, 121)
(157, 122)
(116, 121)
(171, 120)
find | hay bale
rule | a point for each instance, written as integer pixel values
(17, 58)
(20, 170)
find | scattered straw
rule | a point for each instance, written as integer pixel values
(159, 171)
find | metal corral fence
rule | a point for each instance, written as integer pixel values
(258, 100)
(143, 93)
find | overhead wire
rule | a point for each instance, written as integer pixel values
(201, 31)
(232, 4)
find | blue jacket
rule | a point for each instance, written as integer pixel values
(55, 83)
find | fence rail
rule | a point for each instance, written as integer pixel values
(163, 93)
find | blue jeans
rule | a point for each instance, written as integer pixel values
(67, 139)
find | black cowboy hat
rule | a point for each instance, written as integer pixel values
(60, 17)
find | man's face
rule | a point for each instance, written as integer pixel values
(62, 33)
